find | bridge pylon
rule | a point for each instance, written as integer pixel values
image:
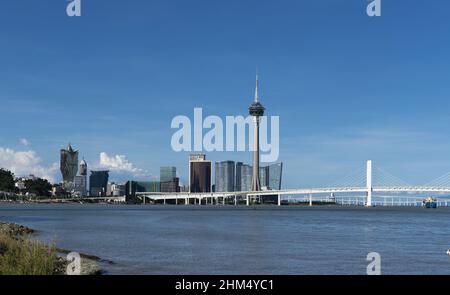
(369, 184)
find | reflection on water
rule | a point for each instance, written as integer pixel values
(229, 240)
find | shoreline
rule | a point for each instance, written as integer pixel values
(89, 263)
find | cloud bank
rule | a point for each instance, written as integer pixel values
(24, 163)
(121, 166)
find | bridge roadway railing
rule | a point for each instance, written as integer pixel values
(361, 200)
(413, 189)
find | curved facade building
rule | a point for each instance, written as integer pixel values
(69, 164)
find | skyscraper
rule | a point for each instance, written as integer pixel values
(238, 179)
(98, 182)
(167, 173)
(225, 176)
(199, 174)
(69, 164)
(275, 176)
(270, 176)
(264, 176)
(83, 174)
(170, 183)
(256, 110)
(244, 174)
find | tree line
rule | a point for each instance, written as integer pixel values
(38, 186)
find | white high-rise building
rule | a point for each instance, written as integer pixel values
(80, 181)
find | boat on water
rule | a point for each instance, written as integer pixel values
(430, 203)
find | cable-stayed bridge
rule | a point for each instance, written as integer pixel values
(362, 184)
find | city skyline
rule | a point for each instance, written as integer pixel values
(357, 89)
(248, 141)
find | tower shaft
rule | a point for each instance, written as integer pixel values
(256, 110)
(255, 177)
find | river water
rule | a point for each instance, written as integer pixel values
(241, 240)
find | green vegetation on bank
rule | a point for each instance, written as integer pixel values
(33, 186)
(38, 187)
(20, 255)
(7, 183)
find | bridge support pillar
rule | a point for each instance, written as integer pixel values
(248, 200)
(310, 201)
(279, 200)
(369, 184)
(235, 200)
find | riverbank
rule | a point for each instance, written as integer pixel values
(20, 254)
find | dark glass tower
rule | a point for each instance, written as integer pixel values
(199, 174)
(98, 182)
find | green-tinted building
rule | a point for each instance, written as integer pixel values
(170, 183)
(133, 187)
(167, 174)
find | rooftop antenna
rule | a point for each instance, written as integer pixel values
(257, 87)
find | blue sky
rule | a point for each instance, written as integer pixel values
(347, 87)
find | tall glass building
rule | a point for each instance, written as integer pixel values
(270, 177)
(199, 174)
(264, 177)
(238, 179)
(98, 183)
(244, 175)
(170, 183)
(167, 174)
(80, 186)
(225, 176)
(275, 176)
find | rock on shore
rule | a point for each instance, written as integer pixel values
(89, 263)
(14, 230)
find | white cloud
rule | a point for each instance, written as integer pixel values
(24, 141)
(120, 164)
(23, 163)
